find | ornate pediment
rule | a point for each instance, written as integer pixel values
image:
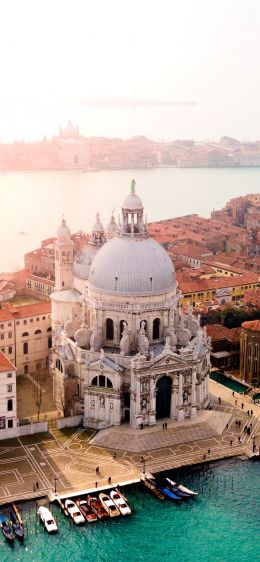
(107, 365)
(169, 360)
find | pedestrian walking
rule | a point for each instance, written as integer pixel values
(219, 400)
(227, 426)
(239, 439)
(248, 413)
(37, 485)
(231, 442)
(208, 451)
(233, 394)
(235, 402)
(239, 423)
(97, 470)
(96, 484)
(252, 412)
(114, 456)
(242, 405)
(109, 480)
(245, 428)
(165, 425)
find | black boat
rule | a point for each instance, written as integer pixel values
(17, 527)
(6, 530)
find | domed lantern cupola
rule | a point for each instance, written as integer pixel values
(63, 257)
(133, 213)
(98, 234)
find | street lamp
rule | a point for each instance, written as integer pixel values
(55, 483)
(143, 463)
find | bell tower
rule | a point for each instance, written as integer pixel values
(63, 258)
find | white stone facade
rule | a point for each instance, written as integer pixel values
(123, 351)
(8, 420)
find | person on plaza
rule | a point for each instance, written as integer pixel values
(114, 456)
(235, 402)
(239, 423)
(242, 405)
(233, 394)
(231, 442)
(109, 480)
(219, 400)
(97, 470)
(165, 425)
(96, 484)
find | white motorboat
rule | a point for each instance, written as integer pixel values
(47, 519)
(120, 502)
(109, 505)
(74, 512)
(182, 488)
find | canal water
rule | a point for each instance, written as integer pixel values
(222, 524)
(228, 382)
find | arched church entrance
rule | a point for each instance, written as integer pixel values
(163, 397)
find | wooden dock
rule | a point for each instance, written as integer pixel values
(148, 484)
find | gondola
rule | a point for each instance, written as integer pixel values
(17, 527)
(165, 491)
(182, 489)
(6, 530)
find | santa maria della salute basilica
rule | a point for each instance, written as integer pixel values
(122, 349)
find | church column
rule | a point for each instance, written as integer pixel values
(152, 409)
(174, 398)
(193, 411)
(180, 412)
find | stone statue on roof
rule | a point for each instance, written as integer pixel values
(133, 184)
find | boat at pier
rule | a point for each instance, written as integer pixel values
(74, 512)
(161, 491)
(17, 527)
(96, 506)
(120, 502)
(6, 529)
(109, 505)
(86, 511)
(47, 519)
(181, 488)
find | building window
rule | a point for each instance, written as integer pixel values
(2, 336)
(25, 334)
(43, 318)
(49, 343)
(9, 324)
(2, 326)
(10, 423)
(37, 332)
(25, 348)
(10, 334)
(26, 369)
(37, 319)
(9, 375)
(10, 405)
(109, 329)
(10, 350)
(17, 323)
(156, 328)
(9, 388)
(25, 321)
(31, 319)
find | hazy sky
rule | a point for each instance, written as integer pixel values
(201, 50)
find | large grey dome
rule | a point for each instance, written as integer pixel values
(132, 266)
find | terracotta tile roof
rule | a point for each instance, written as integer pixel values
(5, 364)
(15, 312)
(220, 283)
(219, 332)
(253, 325)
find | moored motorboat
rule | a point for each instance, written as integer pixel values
(96, 506)
(6, 529)
(120, 502)
(109, 505)
(74, 512)
(86, 511)
(47, 519)
(17, 526)
(182, 488)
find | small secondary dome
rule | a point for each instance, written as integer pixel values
(63, 230)
(83, 261)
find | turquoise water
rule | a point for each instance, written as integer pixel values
(229, 383)
(222, 525)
